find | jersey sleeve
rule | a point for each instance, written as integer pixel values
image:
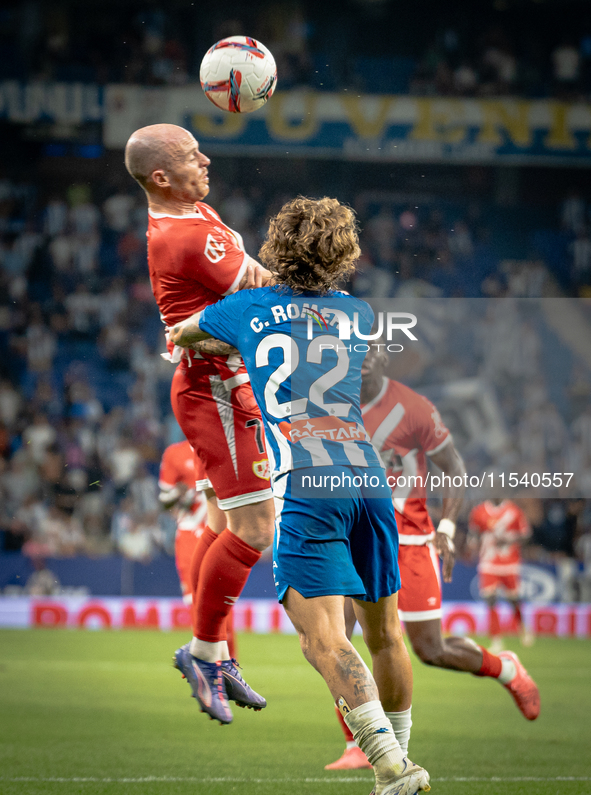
(522, 524)
(431, 433)
(168, 476)
(218, 262)
(222, 319)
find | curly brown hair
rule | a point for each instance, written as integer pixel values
(311, 244)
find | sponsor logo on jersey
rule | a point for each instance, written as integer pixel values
(261, 469)
(215, 250)
(329, 428)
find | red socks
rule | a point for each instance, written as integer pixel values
(204, 542)
(224, 570)
(346, 730)
(491, 664)
(206, 539)
(494, 625)
(231, 636)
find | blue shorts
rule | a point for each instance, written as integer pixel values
(335, 533)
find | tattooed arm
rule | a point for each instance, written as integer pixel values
(187, 332)
(216, 347)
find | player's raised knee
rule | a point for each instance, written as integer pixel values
(428, 650)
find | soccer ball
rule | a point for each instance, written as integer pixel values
(238, 74)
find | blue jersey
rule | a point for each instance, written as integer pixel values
(304, 355)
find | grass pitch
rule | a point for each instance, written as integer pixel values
(104, 712)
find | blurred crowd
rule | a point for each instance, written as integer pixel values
(371, 46)
(84, 393)
(497, 63)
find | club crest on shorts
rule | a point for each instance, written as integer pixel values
(215, 250)
(261, 469)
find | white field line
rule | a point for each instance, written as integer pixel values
(231, 780)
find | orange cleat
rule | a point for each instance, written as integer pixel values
(352, 759)
(523, 688)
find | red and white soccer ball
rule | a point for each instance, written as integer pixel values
(238, 74)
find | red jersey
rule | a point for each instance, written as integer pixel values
(178, 466)
(406, 427)
(501, 527)
(194, 260)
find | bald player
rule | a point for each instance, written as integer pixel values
(194, 260)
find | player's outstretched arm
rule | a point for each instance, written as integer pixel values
(215, 347)
(450, 462)
(187, 332)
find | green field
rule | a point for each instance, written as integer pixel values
(104, 712)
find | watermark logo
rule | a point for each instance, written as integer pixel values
(387, 323)
(330, 322)
(314, 314)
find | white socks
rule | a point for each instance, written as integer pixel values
(508, 671)
(401, 723)
(373, 733)
(209, 652)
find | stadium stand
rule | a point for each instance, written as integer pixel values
(84, 407)
(83, 380)
(493, 50)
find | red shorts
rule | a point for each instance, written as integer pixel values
(419, 598)
(224, 427)
(201, 479)
(185, 542)
(490, 584)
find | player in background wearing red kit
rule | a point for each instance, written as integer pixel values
(406, 428)
(194, 260)
(498, 528)
(181, 482)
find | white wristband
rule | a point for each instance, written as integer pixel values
(447, 527)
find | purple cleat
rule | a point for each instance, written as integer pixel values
(207, 684)
(237, 689)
